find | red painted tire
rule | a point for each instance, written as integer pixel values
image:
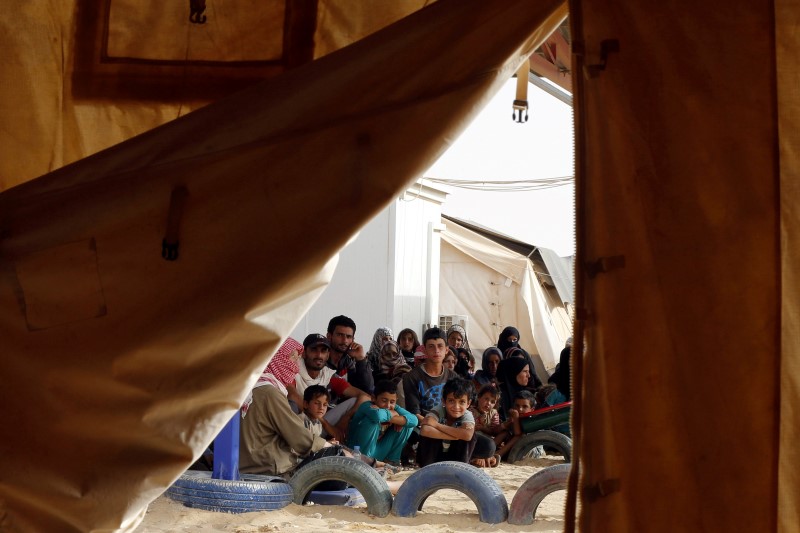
(540, 485)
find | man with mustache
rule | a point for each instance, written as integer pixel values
(348, 358)
(314, 370)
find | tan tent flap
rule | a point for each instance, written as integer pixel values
(678, 175)
(787, 17)
(518, 301)
(120, 366)
(341, 22)
(88, 74)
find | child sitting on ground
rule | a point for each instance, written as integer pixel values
(511, 429)
(487, 420)
(447, 433)
(381, 427)
(315, 405)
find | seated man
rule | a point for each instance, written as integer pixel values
(447, 433)
(348, 357)
(423, 385)
(381, 427)
(313, 370)
(272, 439)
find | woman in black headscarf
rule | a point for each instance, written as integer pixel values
(508, 343)
(487, 375)
(509, 338)
(514, 376)
(561, 377)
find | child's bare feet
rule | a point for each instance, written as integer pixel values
(480, 463)
(394, 486)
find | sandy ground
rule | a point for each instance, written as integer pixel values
(446, 511)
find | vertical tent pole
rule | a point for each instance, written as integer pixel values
(226, 451)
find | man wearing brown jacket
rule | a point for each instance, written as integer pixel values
(273, 439)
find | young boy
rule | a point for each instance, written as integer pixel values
(511, 429)
(315, 405)
(423, 385)
(487, 419)
(381, 427)
(447, 433)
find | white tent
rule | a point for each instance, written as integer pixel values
(497, 287)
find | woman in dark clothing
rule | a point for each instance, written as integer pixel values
(509, 338)
(508, 343)
(561, 377)
(514, 376)
(462, 363)
(487, 375)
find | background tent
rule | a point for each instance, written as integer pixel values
(119, 367)
(554, 271)
(496, 287)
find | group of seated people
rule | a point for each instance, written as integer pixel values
(400, 402)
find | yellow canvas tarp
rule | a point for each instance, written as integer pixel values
(119, 366)
(687, 185)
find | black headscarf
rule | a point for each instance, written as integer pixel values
(507, 373)
(516, 352)
(462, 363)
(482, 376)
(502, 341)
(561, 377)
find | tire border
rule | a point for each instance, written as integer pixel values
(538, 438)
(369, 483)
(197, 489)
(481, 488)
(540, 485)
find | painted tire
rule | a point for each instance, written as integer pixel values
(551, 439)
(252, 493)
(352, 471)
(527, 499)
(484, 491)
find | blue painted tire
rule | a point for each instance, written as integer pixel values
(252, 493)
(484, 491)
(527, 499)
(352, 471)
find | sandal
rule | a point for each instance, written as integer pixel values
(388, 469)
(497, 459)
(393, 468)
